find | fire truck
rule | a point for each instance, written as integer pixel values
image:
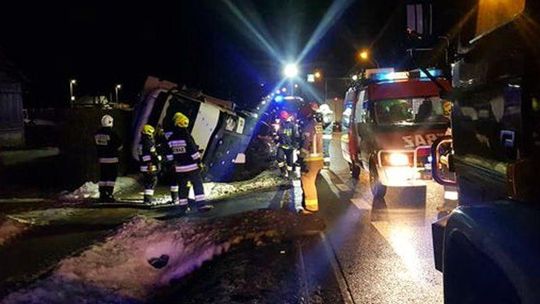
(389, 123)
(488, 248)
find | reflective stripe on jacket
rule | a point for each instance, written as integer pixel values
(312, 148)
(147, 154)
(107, 144)
(183, 151)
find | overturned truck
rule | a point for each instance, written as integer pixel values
(222, 132)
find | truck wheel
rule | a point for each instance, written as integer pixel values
(355, 171)
(377, 189)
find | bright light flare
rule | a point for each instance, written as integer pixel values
(363, 55)
(451, 195)
(279, 98)
(398, 159)
(290, 70)
(258, 35)
(334, 12)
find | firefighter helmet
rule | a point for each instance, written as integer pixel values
(325, 109)
(148, 130)
(107, 121)
(176, 115)
(284, 115)
(180, 120)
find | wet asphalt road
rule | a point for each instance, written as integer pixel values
(383, 248)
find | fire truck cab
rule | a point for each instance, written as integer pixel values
(389, 123)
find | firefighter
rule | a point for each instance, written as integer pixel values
(187, 163)
(108, 145)
(327, 124)
(149, 162)
(286, 138)
(167, 171)
(311, 155)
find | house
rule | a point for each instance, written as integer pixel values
(11, 104)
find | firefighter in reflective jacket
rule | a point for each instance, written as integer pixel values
(286, 140)
(149, 160)
(327, 123)
(187, 159)
(108, 144)
(311, 155)
(169, 173)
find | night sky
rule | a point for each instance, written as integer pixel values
(200, 43)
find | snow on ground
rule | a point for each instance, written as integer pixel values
(129, 188)
(118, 270)
(91, 190)
(10, 229)
(69, 213)
(265, 180)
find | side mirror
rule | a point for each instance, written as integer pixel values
(442, 158)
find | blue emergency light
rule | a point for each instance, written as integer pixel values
(390, 76)
(433, 72)
(279, 98)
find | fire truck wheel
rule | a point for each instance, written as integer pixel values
(355, 171)
(377, 189)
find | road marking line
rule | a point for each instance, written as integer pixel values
(331, 184)
(361, 204)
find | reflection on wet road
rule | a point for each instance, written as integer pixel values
(384, 247)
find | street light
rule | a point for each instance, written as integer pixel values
(290, 70)
(116, 89)
(72, 83)
(364, 55)
(318, 75)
